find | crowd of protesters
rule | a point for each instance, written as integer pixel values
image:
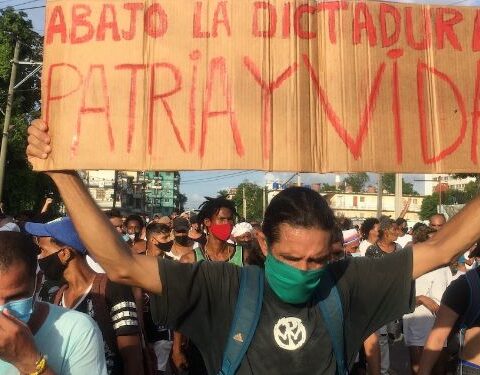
(298, 292)
(134, 341)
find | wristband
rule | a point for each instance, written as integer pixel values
(40, 365)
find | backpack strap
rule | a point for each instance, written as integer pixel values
(101, 309)
(245, 318)
(330, 306)
(473, 311)
(57, 299)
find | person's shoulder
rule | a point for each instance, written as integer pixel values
(113, 288)
(66, 318)
(460, 282)
(189, 257)
(372, 249)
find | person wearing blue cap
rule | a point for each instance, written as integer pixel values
(37, 337)
(63, 257)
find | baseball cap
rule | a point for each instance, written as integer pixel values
(241, 228)
(61, 230)
(180, 224)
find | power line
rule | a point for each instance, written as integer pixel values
(17, 5)
(27, 2)
(5, 1)
(215, 178)
(39, 7)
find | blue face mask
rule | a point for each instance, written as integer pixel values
(21, 308)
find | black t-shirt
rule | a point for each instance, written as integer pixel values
(153, 332)
(375, 251)
(457, 297)
(121, 307)
(199, 301)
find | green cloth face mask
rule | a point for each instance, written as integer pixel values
(290, 284)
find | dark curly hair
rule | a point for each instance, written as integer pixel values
(212, 206)
(298, 207)
(367, 226)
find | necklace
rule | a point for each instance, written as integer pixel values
(209, 258)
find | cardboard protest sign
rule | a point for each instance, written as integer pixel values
(267, 85)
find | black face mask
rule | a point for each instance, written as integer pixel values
(52, 267)
(183, 240)
(165, 246)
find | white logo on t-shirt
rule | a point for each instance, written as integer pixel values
(290, 333)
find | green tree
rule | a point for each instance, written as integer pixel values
(222, 193)
(472, 189)
(23, 189)
(465, 175)
(356, 181)
(430, 203)
(429, 206)
(254, 199)
(388, 183)
(327, 187)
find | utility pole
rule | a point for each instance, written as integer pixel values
(8, 115)
(380, 195)
(115, 189)
(398, 194)
(264, 200)
(244, 204)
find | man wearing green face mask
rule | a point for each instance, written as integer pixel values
(291, 337)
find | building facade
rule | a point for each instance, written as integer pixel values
(161, 192)
(432, 182)
(100, 185)
(136, 192)
(363, 205)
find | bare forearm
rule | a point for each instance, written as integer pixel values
(405, 209)
(131, 352)
(372, 353)
(85, 214)
(102, 240)
(430, 355)
(177, 341)
(444, 323)
(460, 233)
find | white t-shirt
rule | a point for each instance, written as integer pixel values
(72, 343)
(417, 325)
(402, 241)
(364, 245)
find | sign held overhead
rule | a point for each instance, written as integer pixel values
(267, 85)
